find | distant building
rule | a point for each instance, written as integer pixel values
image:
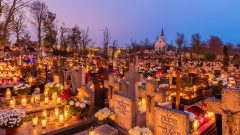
(160, 44)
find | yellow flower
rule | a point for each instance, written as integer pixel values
(112, 117)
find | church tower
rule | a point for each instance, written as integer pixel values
(160, 44)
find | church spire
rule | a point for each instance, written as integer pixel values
(162, 34)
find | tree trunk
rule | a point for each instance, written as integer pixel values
(39, 36)
(17, 36)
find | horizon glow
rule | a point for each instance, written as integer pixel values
(140, 19)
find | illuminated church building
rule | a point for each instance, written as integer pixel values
(160, 44)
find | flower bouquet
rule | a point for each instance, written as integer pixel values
(54, 89)
(140, 131)
(78, 109)
(10, 120)
(22, 89)
(105, 116)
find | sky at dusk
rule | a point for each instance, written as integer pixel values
(139, 19)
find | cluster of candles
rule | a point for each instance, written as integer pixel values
(57, 116)
(35, 99)
(9, 74)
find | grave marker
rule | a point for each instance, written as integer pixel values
(229, 108)
(123, 107)
(170, 122)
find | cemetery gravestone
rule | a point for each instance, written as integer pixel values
(132, 77)
(123, 87)
(123, 107)
(152, 98)
(229, 108)
(79, 76)
(172, 77)
(170, 122)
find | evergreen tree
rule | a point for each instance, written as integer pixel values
(225, 58)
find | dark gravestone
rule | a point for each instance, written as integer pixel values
(218, 118)
(174, 81)
(181, 106)
(100, 92)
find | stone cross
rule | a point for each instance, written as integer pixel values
(78, 77)
(178, 89)
(172, 73)
(132, 76)
(229, 108)
(152, 98)
(110, 84)
(123, 87)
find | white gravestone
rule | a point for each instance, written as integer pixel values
(170, 122)
(123, 107)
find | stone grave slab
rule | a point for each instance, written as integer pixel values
(170, 122)
(123, 107)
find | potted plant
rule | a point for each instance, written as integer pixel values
(140, 131)
(78, 109)
(10, 120)
(105, 116)
(54, 89)
(22, 89)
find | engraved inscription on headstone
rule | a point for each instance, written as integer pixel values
(170, 122)
(123, 108)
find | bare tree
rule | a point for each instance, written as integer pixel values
(86, 40)
(196, 45)
(64, 37)
(9, 9)
(39, 12)
(215, 45)
(106, 40)
(75, 38)
(114, 47)
(18, 25)
(50, 31)
(180, 41)
(92, 45)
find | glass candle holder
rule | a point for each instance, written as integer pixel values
(35, 121)
(44, 113)
(56, 112)
(8, 94)
(44, 123)
(12, 103)
(46, 100)
(58, 100)
(61, 119)
(24, 102)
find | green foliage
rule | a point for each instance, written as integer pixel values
(210, 57)
(23, 91)
(106, 121)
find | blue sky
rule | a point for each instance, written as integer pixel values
(140, 19)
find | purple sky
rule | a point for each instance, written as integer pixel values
(140, 19)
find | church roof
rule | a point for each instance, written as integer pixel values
(162, 33)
